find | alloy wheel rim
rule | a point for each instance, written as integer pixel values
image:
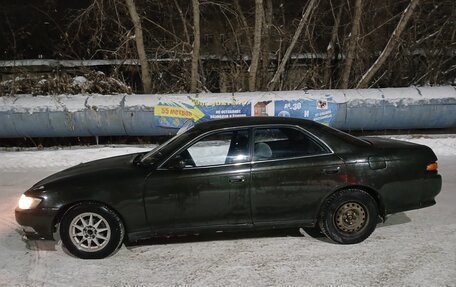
(90, 232)
(351, 217)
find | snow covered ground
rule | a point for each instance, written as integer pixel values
(415, 248)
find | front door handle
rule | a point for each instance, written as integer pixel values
(238, 178)
(331, 170)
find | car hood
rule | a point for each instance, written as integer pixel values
(96, 166)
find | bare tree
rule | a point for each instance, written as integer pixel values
(266, 44)
(392, 42)
(305, 16)
(245, 25)
(421, 53)
(259, 13)
(145, 74)
(352, 42)
(196, 46)
(330, 51)
(184, 22)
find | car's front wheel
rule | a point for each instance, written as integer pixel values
(91, 231)
(349, 216)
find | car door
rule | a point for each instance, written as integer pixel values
(291, 173)
(211, 188)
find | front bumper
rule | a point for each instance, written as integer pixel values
(37, 222)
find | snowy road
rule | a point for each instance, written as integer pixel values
(415, 248)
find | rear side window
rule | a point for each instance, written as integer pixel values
(281, 143)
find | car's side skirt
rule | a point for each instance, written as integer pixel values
(136, 236)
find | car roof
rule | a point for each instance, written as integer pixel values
(251, 121)
(337, 140)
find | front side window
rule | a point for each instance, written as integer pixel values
(280, 143)
(217, 149)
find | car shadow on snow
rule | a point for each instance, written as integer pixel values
(310, 233)
(36, 244)
(395, 219)
(226, 236)
(313, 233)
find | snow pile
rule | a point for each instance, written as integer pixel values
(79, 81)
(62, 84)
(60, 103)
(400, 97)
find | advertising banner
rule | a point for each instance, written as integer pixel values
(322, 110)
(173, 111)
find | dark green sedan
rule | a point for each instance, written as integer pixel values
(230, 175)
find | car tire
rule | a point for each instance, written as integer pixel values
(91, 231)
(349, 216)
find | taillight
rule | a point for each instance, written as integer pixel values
(432, 167)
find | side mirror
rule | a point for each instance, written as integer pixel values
(176, 163)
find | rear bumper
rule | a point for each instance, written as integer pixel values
(432, 185)
(415, 194)
(37, 223)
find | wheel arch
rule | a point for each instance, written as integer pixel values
(372, 192)
(64, 209)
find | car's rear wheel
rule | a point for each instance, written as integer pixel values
(349, 216)
(91, 231)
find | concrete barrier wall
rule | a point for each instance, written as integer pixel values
(146, 115)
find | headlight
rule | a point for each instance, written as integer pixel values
(26, 202)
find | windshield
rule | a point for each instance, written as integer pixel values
(150, 156)
(185, 127)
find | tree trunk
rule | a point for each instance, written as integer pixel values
(145, 74)
(328, 76)
(305, 16)
(392, 42)
(244, 23)
(353, 41)
(196, 46)
(184, 22)
(266, 44)
(259, 13)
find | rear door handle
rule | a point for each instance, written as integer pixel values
(331, 170)
(238, 178)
